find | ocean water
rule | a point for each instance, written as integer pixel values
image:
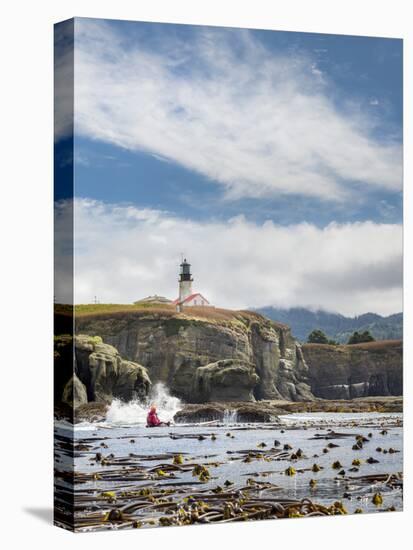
(124, 432)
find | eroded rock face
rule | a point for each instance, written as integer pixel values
(75, 393)
(173, 347)
(226, 380)
(361, 370)
(95, 372)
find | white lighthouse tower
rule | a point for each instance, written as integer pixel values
(187, 297)
(185, 281)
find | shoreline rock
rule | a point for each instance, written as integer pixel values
(268, 411)
(87, 370)
(260, 411)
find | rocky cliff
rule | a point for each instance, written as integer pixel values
(87, 370)
(206, 353)
(213, 355)
(361, 370)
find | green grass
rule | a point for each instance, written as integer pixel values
(236, 320)
(93, 309)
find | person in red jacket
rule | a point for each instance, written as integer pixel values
(152, 420)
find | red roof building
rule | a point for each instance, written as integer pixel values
(193, 300)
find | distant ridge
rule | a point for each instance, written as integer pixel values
(336, 326)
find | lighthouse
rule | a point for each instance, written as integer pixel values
(187, 297)
(185, 281)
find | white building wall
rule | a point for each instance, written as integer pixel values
(197, 301)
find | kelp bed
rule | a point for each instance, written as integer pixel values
(144, 490)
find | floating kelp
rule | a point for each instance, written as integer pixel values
(118, 489)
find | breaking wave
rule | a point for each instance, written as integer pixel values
(135, 411)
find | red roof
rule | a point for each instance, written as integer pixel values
(189, 298)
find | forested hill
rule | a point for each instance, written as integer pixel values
(337, 327)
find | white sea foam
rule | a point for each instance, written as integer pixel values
(230, 417)
(135, 411)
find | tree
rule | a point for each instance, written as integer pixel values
(317, 337)
(360, 337)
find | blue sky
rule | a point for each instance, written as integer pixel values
(114, 174)
(273, 148)
(360, 70)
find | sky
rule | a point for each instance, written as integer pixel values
(272, 160)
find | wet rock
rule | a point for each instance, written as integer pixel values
(244, 412)
(74, 393)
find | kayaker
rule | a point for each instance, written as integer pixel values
(152, 420)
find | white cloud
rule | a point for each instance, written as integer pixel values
(257, 123)
(124, 253)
